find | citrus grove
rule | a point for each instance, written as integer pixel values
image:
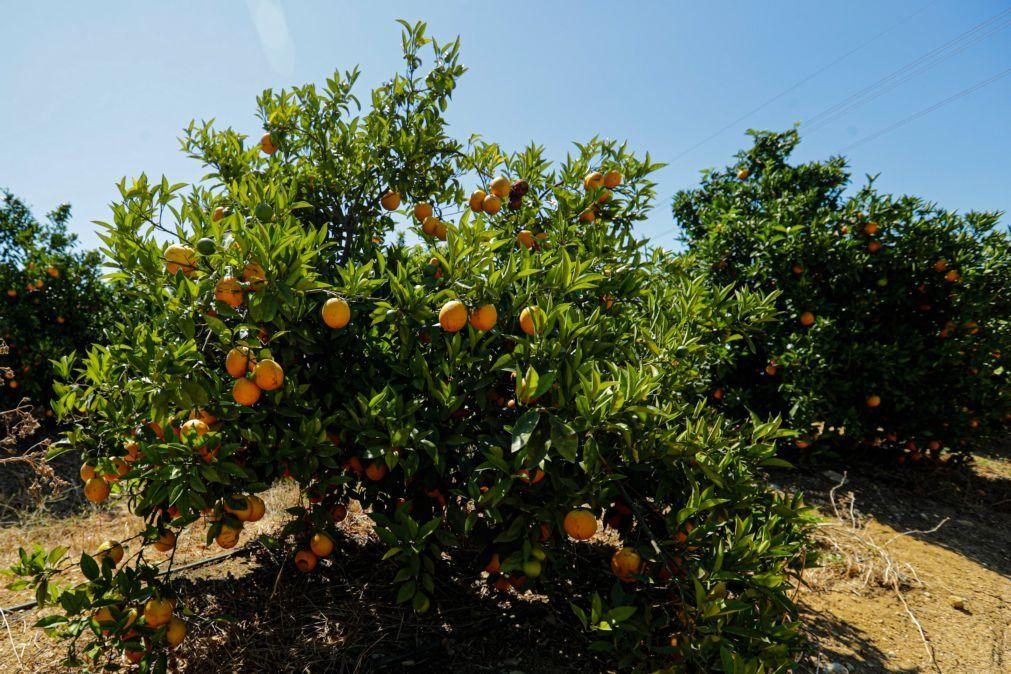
(525, 375)
(894, 328)
(52, 302)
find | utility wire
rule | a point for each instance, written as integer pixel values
(802, 82)
(955, 46)
(927, 110)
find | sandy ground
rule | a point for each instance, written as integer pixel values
(914, 576)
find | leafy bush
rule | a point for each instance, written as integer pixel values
(53, 299)
(895, 313)
(522, 373)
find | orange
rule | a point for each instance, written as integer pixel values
(229, 291)
(245, 392)
(257, 508)
(228, 536)
(940, 265)
(625, 564)
(254, 274)
(500, 187)
(477, 200)
(53, 271)
(204, 416)
(952, 276)
(166, 541)
(338, 513)
(96, 490)
(580, 524)
(268, 375)
(193, 428)
(157, 612)
(376, 471)
(532, 320)
(336, 313)
(218, 213)
(430, 225)
(178, 258)
(871, 228)
(807, 319)
(441, 230)
(525, 238)
(797, 269)
(491, 204)
(239, 361)
(175, 632)
(873, 246)
(743, 174)
(587, 215)
(453, 316)
(87, 471)
(267, 144)
(484, 317)
(321, 545)
(494, 564)
(390, 201)
(873, 400)
(612, 179)
(593, 180)
(112, 550)
(305, 561)
(120, 467)
(422, 211)
(241, 512)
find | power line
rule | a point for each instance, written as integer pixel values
(918, 65)
(927, 110)
(802, 82)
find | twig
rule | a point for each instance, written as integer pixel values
(919, 628)
(10, 635)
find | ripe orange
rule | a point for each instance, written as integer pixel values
(807, 319)
(228, 536)
(229, 291)
(743, 174)
(257, 508)
(193, 428)
(267, 144)
(871, 228)
(430, 225)
(494, 564)
(120, 468)
(940, 265)
(245, 392)
(422, 211)
(175, 632)
(587, 215)
(254, 274)
(112, 550)
(952, 276)
(453, 316)
(626, 564)
(873, 400)
(500, 187)
(612, 179)
(484, 317)
(580, 524)
(873, 246)
(204, 416)
(157, 612)
(239, 361)
(526, 239)
(321, 545)
(441, 230)
(390, 201)
(178, 258)
(96, 490)
(87, 471)
(242, 511)
(166, 541)
(491, 204)
(525, 475)
(268, 375)
(376, 471)
(338, 513)
(477, 200)
(305, 561)
(532, 320)
(797, 269)
(593, 180)
(12, 293)
(218, 213)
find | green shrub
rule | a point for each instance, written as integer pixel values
(481, 437)
(907, 352)
(53, 300)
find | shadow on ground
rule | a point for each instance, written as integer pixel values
(843, 644)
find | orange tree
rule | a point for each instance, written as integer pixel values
(527, 370)
(53, 300)
(894, 333)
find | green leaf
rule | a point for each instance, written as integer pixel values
(523, 429)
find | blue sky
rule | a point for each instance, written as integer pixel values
(96, 91)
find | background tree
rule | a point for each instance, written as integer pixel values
(894, 330)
